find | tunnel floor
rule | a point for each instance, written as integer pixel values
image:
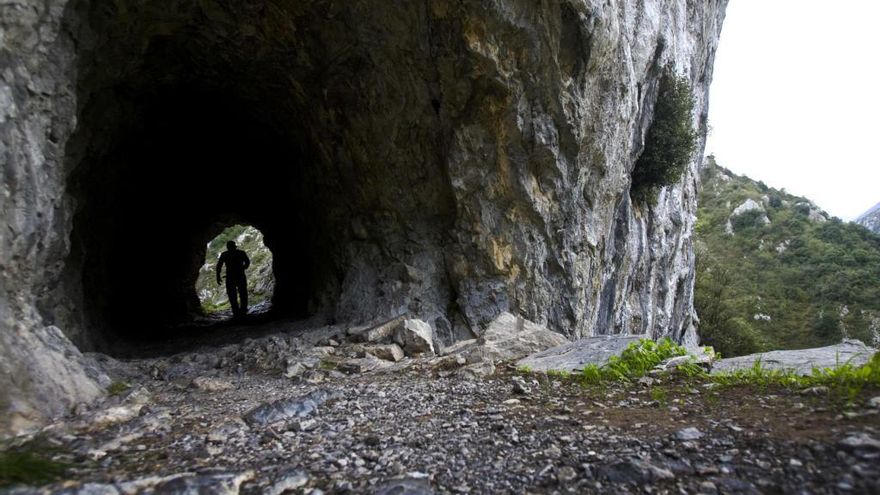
(216, 330)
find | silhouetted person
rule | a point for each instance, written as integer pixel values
(236, 262)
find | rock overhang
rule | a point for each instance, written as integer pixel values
(450, 160)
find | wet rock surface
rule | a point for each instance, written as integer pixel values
(417, 426)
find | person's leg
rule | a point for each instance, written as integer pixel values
(233, 297)
(243, 293)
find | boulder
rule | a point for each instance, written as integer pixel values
(388, 352)
(382, 332)
(363, 365)
(802, 361)
(574, 356)
(511, 337)
(415, 337)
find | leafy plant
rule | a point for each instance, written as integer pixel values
(670, 141)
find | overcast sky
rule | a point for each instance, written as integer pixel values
(795, 99)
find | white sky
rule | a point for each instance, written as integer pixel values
(795, 99)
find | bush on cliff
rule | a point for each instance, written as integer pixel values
(670, 142)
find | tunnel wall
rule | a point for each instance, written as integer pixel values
(463, 158)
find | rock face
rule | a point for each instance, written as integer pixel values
(871, 219)
(451, 160)
(802, 361)
(575, 355)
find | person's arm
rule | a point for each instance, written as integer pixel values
(220, 267)
(247, 261)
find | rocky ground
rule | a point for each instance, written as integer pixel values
(315, 413)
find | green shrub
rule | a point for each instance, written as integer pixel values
(634, 362)
(670, 141)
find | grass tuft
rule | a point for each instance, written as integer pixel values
(28, 468)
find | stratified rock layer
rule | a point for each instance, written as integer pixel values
(449, 160)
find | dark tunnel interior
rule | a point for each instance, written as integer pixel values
(193, 163)
(189, 121)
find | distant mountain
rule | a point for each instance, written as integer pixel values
(871, 219)
(774, 271)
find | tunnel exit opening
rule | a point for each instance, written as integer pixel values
(260, 280)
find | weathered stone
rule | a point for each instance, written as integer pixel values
(211, 384)
(801, 361)
(362, 365)
(635, 471)
(509, 337)
(575, 355)
(860, 441)
(287, 481)
(294, 369)
(219, 484)
(405, 486)
(388, 352)
(688, 434)
(115, 415)
(415, 337)
(287, 408)
(383, 332)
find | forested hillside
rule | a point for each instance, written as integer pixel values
(774, 271)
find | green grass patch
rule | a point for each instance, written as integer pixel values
(28, 468)
(634, 362)
(846, 381)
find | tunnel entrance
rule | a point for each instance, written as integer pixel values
(260, 278)
(191, 164)
(212, 113)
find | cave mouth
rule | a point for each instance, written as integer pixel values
(213, 298)
(183, 166)
(298, 119)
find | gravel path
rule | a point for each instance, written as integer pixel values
(227, 421)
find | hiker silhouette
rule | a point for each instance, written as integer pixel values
(236, 262)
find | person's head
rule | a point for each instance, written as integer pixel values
(230, 246)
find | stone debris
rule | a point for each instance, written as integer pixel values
(688, 434)
(287, 481)
(288, 408)
(511, 337)
(362, 365)
(415, 337)
(388, 352)
(210, 384)
(405, 486)
(382, 332)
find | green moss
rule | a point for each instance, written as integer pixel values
(29, 468)
(670, 141)
(117, 387)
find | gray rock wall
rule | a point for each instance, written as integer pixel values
(482, 150)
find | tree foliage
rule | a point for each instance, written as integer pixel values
(796, 282)
(670, 141)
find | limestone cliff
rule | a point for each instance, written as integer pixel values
(870, 219)
(446, 159)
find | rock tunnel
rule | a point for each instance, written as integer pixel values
(205, 114)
